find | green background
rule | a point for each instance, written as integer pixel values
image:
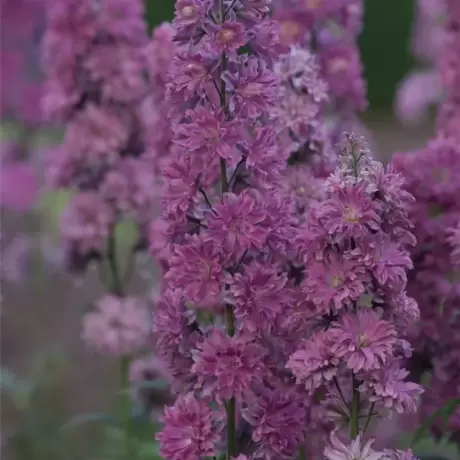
(384, 44)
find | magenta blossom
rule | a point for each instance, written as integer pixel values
(315, 363)
(337, 450)
(227, 366)
(226, 37)
(277, 417)
(334, 282)
(255, 88)
(86, 223)
(350, 213)
(190, 431)
(238, 223)
(260, 296)
(363, 340)
(387, 388)
(209, 134)
(196, 268)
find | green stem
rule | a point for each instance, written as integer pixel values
(125, 406)
(354, 411)
(231, 432)
(302, 452)
(369, 417)
(115, 278)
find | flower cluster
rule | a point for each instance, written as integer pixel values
(355, 252)
(432, 177)
(95, 58)
(270, 304)
(102, 87)
(330, 29)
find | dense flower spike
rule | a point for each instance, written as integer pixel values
(357, 340)
(431, 175)
(95, 59)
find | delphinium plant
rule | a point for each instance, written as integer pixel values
(100, 88)
(281, 334)
(431, 174)
(22, 123)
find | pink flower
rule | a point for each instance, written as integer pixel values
(227, 366)
(388, 388)
(118, 326)
(260, 296)
(195, 267)
(342, 71)
(363, 341)
(180, 185)
(315, 363)
(255, 88)
(454, 240)
(237, 223)
(171, 321)
(277, 416)
(226, 37)
(209, 134)
(337, 450)
(350, 213)
(190, 13)
(334, 282)
(399, 454)
(190, 431)
(86, 222)
(417, 92)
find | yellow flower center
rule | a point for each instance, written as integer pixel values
(350, 215)
(361, 341)
(338, 65)
(336, 281)
(226, 35)
(301, 190)
(188, 11)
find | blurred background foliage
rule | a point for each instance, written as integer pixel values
(384, 44)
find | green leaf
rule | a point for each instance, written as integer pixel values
(84, 419)
(444, 412)
(51, 205)
(18, 388)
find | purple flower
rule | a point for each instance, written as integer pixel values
(208, 134)
(337, 450)
(188, 73)
(387, 387)
(190, 431)
(171, 321)
(342, 71)
(277, 417)
(399, 454)
(226, 37)
(227, 366)
(86, 223)
(260, 295)
(334, 282)
(315, 364)
(237, 223)
(180, 186)
(190, 13)
(195, 267)
(117, 326)
(350, 213)
(363, 341)
(255, 88)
